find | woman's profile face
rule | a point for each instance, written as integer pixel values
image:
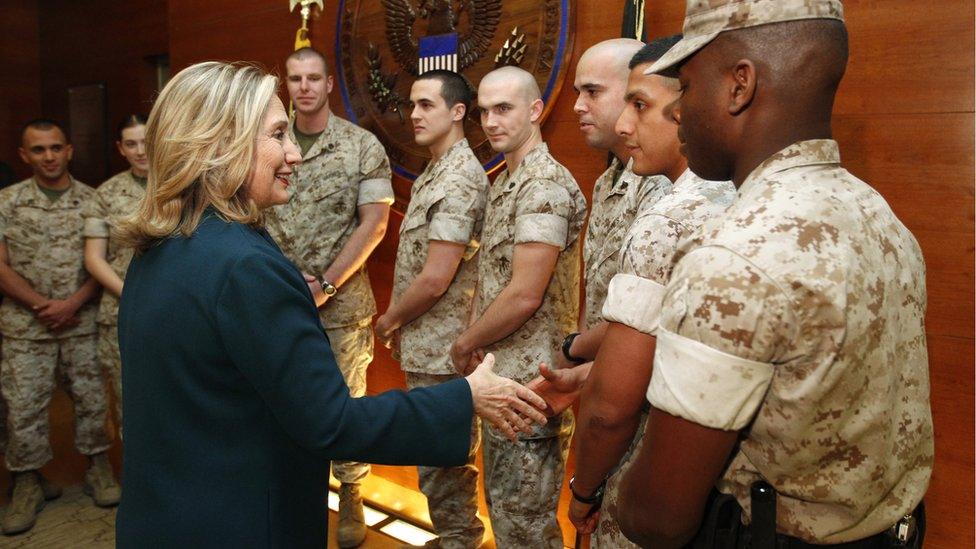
(132, 145)
(274, 156)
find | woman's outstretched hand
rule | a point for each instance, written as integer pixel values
(507, 405)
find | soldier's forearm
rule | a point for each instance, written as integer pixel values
(507, 313)
(85, 292)
(98, 266)
(600, 447)
(420, 297)
(611, 402)
(18, 288)
(357, 250)
(587, 344)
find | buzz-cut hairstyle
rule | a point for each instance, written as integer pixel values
(44, 124)
(654, 50)
(454, 87)
(308, 51)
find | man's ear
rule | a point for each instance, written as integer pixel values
(743, 86)
(458, 111)
(23, 155)
(70, 150)
(535, 110)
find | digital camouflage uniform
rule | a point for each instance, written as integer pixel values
(797, 317)
(636, 291)
(112, 201)
(538, 202)
(447, 203)
(45, 246)
(344, 169)
(619, 196)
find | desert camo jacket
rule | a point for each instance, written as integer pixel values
(797, 317)
(447, 203)
(345, 168)
(112, 201)
(619, 196)
(538, 202)
(45, 246)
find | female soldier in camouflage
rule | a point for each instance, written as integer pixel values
(105, 260)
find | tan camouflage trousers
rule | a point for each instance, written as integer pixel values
(111, 362)
(608, 534)
(452, 492)
(28, 372)
(523, 480)
(353, 349)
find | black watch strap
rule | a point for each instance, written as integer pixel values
(567, 344)
(593, 499)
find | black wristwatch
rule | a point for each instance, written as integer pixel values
(594, 499)
(567, 343)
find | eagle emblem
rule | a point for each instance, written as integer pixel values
(443, 17)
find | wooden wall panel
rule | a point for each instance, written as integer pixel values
(101, 41)
(904, 119)
(20, 79)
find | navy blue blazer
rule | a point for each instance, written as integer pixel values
(233, 403)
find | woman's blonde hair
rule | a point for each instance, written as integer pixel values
(200, 140)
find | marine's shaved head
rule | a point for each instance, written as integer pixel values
(522, 78)
(613, 55)
(600, 84)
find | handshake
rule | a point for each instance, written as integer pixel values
(513, 408)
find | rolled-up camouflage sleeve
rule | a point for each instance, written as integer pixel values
(95, 214)
(636, 291)
(543, 212)
(376, 186)
(454, 217)
(724, 324)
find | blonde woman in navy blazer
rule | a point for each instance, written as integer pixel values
(233, 403)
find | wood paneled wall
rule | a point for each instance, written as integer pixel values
(101, 41)
(20, 79)
(904, 120)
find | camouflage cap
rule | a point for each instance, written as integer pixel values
(706, 19)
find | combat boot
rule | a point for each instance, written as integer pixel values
(352, 525)
(27, 501)
(100, 482)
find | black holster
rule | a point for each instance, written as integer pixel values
(722, 527)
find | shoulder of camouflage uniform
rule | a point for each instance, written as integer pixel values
(352, 131)
(83, 188)
(471, 167)
(547, 167)
(14, 189)
(113, 184)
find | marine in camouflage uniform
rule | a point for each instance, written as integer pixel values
(345, 168)
(805, 300)
(793, 324)
(538, 202)
(113, 200)
(447, 203)
(635, 294)
(619, 196)
(45, 246)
